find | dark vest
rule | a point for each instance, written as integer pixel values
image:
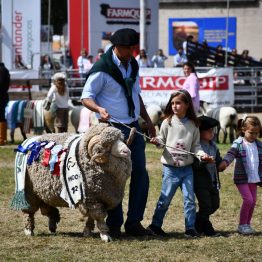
(105, 64)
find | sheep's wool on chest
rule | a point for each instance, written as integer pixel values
(70, 174)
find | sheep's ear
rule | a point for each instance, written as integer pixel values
(99, 158)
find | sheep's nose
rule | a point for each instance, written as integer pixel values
(126, 152)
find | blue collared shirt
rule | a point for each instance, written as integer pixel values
(107, 93)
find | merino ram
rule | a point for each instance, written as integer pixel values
(227, 117)
(105, 164)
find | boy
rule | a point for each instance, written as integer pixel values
(206, 179)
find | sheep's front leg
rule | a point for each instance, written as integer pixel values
(103, 228)
(224, 129)
(231, 133)
(89, 227)
(98, 213)
(29, 223)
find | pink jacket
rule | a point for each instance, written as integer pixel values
(191, 84)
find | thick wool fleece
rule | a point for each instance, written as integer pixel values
(104, 184)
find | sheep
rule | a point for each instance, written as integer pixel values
(105, 164)
(227, 117)
(156, 115)
(80, 111)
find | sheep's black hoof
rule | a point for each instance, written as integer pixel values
(52, 225)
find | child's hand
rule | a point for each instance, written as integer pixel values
(207, 158)
(155, 141)
(222, 166)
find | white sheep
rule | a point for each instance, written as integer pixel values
(105, 164)
(156, 115)
(227, 117)
(82, 118)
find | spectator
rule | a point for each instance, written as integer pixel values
(89, 64)
(233, 59)
(158, 60)
(180, 58)
(142, 59)
(57, 98)
(83, 63)
(46, 66)
(4, 86)
(100, 52)
(190, 38)
(203, 54)
(191, 84)
(246, 61)
(220, 56)
(66, 60)
(18, 62)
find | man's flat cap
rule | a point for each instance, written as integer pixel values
(206, 122)
(125, 36)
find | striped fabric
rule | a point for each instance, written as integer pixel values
(38, 117)
(28, 114)
(238, 152)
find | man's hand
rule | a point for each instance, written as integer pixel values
(103, 113)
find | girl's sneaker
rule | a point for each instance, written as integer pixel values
(245, 229)
(253, 231)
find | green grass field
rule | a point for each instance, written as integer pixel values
(69, 245)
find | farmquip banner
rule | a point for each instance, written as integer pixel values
(216, 85)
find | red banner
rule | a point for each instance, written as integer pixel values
(151, 83)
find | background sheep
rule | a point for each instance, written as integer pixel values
(75, 116)
(227, 117)
(105, 163)
(156, 115)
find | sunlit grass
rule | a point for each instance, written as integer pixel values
(69, 245)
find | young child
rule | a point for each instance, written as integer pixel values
(179, 135)
(206, 179)
(247, 150)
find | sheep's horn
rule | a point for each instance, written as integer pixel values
(94, 140)
(131, 136)
(99, 158)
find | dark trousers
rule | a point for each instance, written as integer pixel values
(3, 105)
(208, 202)
(139, 184)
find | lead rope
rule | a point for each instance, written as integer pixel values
(217, 179)
(145, 136)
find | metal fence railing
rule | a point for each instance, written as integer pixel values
(247, 85)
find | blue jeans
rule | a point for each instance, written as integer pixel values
(172, 178)
(139, 184)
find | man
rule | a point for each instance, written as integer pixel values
(112, 91)
(4, 86)
(180, 58)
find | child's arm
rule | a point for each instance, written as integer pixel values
(222, 166)
(229, 157)
(160, 140)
